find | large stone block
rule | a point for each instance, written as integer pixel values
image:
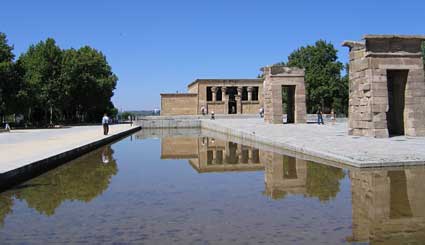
(380, 124)
(380, 100)
(354, 55)
(380, 116)
(379, 108)
(359, 65)
(380, 133)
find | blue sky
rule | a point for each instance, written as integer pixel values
(161, 46)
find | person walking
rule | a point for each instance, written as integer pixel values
(212, 115)
(319, 116)
(7, 127)
(105, 123)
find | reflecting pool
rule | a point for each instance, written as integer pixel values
(192, 188)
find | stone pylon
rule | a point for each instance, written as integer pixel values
(275, 79)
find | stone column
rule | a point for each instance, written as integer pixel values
(225, 99)
(213, 91)
(239, 100)
(250, 93)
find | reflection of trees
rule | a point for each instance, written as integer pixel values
(323, 181)
(82, 179)
(288, 175)
(6, 204)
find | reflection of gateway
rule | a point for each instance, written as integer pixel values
(288, 175)
(284, 175)
(388, 206)
(211, 155)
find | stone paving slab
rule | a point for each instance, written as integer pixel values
(20, 148)
(329, 141)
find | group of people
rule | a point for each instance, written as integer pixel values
(204, 112)
(320, 120)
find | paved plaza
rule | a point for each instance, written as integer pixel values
(22, 147)
(329, 141)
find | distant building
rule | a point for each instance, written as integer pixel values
(223, 96)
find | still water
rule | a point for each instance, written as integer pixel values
(203, 190)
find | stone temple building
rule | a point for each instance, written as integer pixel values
(387, 86)
(280, 92)
(284, 93)
(223, 96)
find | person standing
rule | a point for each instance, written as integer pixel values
(212, 115)
(203, 110)
(105, 123)
(319, 116)
(333, 116)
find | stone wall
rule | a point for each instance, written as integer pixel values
(179, 147)
(179, 104)
(216, 107)
(275, 78)
(252, 107)
(370, 63)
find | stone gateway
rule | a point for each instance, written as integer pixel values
(387, 86)
(284, 84)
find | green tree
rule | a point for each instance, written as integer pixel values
(41, 67)
(324, 86)
(9, 80)
(341, 95)
(90, 82)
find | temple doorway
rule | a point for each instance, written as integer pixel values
(288, 102)
(396, 84)
(232, 107)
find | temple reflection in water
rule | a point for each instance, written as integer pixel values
(388, 205)
(211, 155)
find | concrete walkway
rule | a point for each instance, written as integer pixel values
(328, 141)
(23, 147)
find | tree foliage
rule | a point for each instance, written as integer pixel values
(9, 80)
(90, 96)
(47, 82)
(324, 85)
(41, 68)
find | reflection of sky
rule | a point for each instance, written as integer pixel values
(163, 201)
